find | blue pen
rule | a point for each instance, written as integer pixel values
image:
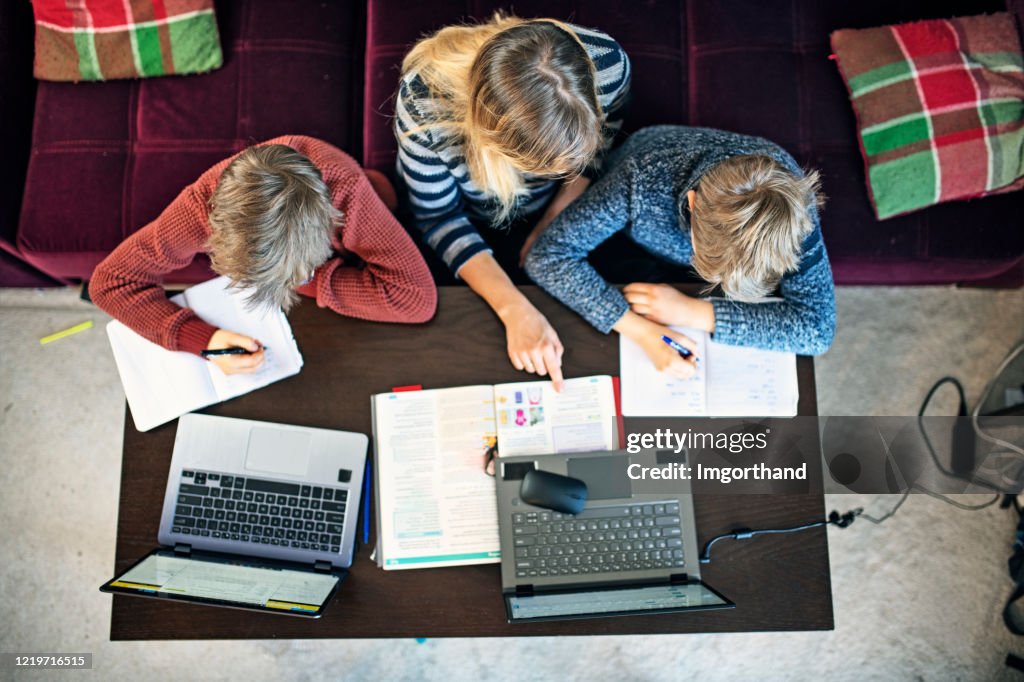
(674, 345)
(366, 504)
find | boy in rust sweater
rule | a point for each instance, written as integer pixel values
(293, 214)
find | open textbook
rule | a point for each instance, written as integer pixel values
(730, 381)
(162, 385)
(435, 504)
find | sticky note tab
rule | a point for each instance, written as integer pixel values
(66, 332)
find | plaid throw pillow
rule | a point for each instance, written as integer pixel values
(92, 40)
(940, 109)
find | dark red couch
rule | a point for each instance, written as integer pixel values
(107, 157)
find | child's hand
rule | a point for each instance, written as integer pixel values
(648, 335)
(668, 360)
(659, 303)
(246, 363)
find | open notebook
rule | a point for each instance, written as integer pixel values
(435, 504)
(162, 385)
(731, 381)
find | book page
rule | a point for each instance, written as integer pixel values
(226, 308)
(533, 419)
(160, 385)
(437, 506)
(749, 382)
(646, 392)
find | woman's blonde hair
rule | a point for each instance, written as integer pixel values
(520, 96)
(749, 219)
(271, 221)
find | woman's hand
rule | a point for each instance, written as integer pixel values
(647, 335)
(667, 305)
(533, 344)
(236, 364)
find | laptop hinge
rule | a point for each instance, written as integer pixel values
(182, 548)
(322, 566)
(679, 578)
(524, 590)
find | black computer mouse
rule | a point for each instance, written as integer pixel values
(553, 491)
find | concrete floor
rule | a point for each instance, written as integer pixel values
(916, 598)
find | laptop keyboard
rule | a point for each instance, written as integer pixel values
(260, 511)
(629, 537)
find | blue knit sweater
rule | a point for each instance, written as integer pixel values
(642, 191)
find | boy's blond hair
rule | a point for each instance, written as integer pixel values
(271, 221)
(749, 218)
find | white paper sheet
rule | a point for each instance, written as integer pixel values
(731, 381)
(161, 385)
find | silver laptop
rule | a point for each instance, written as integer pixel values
(256, 515)
(631, 551)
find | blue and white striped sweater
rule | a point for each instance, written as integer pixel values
(444, 200)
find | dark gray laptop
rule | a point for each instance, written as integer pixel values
(627, 553)
(256, 515)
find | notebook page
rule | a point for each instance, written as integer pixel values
(225, 308)
(533, 419)
(160, 385)
(436, 504)
(749, 382)
(646, 392)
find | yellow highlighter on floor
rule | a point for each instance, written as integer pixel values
(66, 332)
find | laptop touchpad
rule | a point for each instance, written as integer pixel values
(605, 477)
(278, 451)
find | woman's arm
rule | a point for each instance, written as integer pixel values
(532, 343)
(434, 194)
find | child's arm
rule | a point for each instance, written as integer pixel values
(558, 259)
(393, 284)
(802, 322)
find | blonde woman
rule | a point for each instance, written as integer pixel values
(501, 125)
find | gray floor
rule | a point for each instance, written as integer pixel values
(916, 598)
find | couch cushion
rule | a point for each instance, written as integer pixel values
(105, 39)
(765, 70)
(652, 33)
(939, 106)
(108, 157)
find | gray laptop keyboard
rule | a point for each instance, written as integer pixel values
(629, 537)
(259, 511)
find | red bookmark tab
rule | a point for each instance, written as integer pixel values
(617, 389)
(405, 389)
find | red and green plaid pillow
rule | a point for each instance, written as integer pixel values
(104, 39)
(940, 108)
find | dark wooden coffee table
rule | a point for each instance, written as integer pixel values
(779, 583)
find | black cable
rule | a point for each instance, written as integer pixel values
(834, 519)
(844, 520)
(962, 412)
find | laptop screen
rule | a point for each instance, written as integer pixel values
(616, 601)
(228, 582)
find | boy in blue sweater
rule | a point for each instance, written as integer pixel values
(738, 209)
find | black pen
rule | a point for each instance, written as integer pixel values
(228, 351)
